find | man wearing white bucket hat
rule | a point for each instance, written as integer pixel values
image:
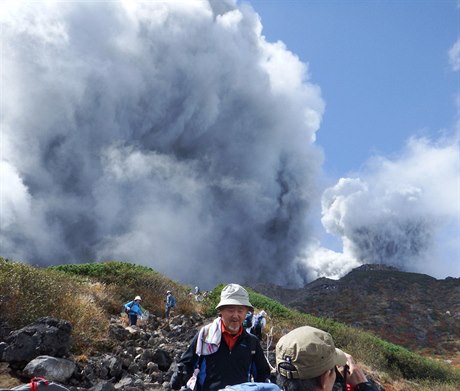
(223, 353)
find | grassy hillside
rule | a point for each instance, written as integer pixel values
(85, 294)
(88, 294)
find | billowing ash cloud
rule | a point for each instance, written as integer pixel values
(398, 212)
(170, 134)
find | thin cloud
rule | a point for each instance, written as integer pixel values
(454, 56)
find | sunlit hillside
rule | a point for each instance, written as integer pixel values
(87, 295)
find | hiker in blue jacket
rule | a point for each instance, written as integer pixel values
(133, 309)
(223, 353)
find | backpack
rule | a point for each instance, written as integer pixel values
(38, 384)
(126, 310)
(252, 386)
(247, 322)
(172, 302)
(258, 322)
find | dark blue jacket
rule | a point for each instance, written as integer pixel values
(227, 367)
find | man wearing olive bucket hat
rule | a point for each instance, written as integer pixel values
(307, 360)
(223, 353)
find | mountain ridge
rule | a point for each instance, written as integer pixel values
(413, 310)
(89, 296)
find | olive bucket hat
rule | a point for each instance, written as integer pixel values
(308, 353)
(234, 294)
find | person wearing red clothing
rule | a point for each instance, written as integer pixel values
(223, 353)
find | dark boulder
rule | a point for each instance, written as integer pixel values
(46, 336)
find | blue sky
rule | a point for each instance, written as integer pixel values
(382, 67)
(387, 75)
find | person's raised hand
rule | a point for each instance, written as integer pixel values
(355, 373)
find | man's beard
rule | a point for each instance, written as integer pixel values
(233, 328)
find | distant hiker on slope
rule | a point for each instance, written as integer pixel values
(247, 322)
(170, 303)
(259, 324)
(223, 353)
(133, 309)
(307, 360)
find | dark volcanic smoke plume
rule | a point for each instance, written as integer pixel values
(170, 134)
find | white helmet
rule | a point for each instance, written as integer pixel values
(138, 298)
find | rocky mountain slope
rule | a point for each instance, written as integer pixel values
(98, 352)
(409, 309)
(134, 358)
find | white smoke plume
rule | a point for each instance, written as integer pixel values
(170, 134)
(403, 212)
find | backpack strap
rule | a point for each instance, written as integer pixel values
(253, 347)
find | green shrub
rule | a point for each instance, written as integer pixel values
(28, 293)
(127, 280)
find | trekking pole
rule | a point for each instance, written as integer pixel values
(269, 343)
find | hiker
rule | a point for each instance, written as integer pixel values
(222, 353)
(247, 322)
(197, 293)
(307, 360)
(170, 303)
(133, 309)
(259, 324)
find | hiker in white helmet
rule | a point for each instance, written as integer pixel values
(170, 303)
(259, 324)
(133, 309)
(223, 353)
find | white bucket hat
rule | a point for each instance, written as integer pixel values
(234, 294)
(138, 298)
